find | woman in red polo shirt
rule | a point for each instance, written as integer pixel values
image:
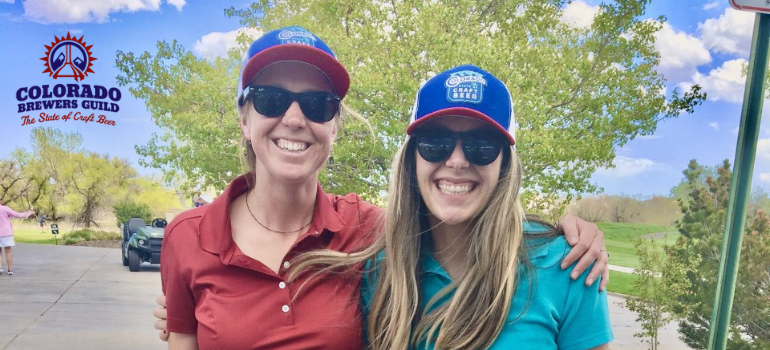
(224, 265)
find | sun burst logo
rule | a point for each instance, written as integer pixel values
(68, 58)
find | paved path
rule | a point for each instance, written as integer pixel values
(64, 298)
(656, 235)
(621, 269)
(83, 298)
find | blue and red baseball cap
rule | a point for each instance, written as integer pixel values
(293, 44)
(466, 91)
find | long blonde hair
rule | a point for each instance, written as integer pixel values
(475, 315)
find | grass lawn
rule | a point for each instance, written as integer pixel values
(620, 236)
(33, 235)
(621, 283)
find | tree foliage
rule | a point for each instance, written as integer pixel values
(659, 282)
(127, 209)
(702, 227)
(193, 101)
(60, 179)
(578, 92)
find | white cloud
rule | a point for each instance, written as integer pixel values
(626, 166)
(217, 44)
(736, 131)
(723, 83)
(711, 5)
(177, 3)
(765, 177)
(763, 149)
(714, 126)
(7, 1)
(730, 33)
(84, 11)
(679, 52)
(579, 14)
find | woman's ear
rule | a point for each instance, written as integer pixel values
(244, 122)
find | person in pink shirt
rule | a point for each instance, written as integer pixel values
(6, 233)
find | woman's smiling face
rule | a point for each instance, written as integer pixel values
(455, 190)
(289, 147)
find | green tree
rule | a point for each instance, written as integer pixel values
(702, 231)
(150, 192)
(658, 283)
(578, 92)
(94, 182)
(193, 101)
(52, 152)
(127, 209)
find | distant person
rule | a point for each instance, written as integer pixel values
(6, 233)
(201, 201)
(42, 222)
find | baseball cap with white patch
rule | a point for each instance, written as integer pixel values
(466, 91)
(293, 44)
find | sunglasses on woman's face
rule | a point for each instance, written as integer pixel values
(480, 147)
(271, 101)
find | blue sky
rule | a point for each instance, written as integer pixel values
(702, 42)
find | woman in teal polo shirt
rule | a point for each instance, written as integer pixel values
(455, 268)
(458, 266)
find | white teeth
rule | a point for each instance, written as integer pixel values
(287, 145)
(454, 189)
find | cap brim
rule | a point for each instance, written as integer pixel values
(337, 74)
(461, 112)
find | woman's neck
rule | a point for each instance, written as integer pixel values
(451, 245)
(282, 206)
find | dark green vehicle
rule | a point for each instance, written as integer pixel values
(141, 243)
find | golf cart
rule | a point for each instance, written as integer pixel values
(141, 243)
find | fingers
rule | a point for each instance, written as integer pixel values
(586, 234)
(605, 278)
(160, 312)
(161, 326)
(163, 335)
(600, 268)
(161, 300)
(570, 226)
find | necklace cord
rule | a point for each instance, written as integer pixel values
(269, 229)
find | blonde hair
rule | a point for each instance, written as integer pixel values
(477, 312)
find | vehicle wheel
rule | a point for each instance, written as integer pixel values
(133, 261)
(123, 253)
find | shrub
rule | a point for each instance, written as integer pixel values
(90, 235)
(127, 209)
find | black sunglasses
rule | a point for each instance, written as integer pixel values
(480, 147)
(271, 101)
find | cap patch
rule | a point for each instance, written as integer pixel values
(465, 86)
(296, 35)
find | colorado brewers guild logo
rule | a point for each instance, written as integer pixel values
(296, 35)
(465, 86)
(68, 58)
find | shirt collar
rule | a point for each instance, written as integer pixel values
(214, 227)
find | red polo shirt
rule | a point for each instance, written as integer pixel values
(235, 302)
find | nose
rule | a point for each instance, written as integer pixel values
(457, 159)
(294, 118)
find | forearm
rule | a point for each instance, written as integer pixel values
(182, 341)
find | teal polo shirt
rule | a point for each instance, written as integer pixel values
(561, 314)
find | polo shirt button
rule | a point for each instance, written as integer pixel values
(286, 264)
(285, 308)
(282, 285)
